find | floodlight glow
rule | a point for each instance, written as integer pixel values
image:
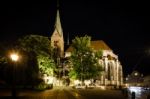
(87, 82)
(76, 82)
(14, 57)
(50, 80)
(103, 87)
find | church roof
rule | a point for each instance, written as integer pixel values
(96, 45)
(99, 44)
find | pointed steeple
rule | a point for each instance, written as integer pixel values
(58, 27)
(57, 39)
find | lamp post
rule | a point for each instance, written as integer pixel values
(14, 58)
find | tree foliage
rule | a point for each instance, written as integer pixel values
(35, 52)
(35, 43)
(46, 65)
(84, 59)
(39, 45)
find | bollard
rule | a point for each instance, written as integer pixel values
(133, 95)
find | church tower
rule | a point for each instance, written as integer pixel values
(57, 40)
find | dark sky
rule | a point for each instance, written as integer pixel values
(123, 25)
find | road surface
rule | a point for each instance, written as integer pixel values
(65, 93)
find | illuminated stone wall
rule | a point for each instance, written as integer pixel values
(113, 74)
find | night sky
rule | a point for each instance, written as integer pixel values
(123, 25)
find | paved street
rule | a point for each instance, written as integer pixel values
(66, 93)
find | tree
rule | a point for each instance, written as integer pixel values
(36, 53)
(84, 59)
(35, 43)
(39, 45)
(46, 65)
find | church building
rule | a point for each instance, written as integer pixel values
(112, 74)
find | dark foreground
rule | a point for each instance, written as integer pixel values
(66, 93)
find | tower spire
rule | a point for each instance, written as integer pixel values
(58, 27)
(57, 39)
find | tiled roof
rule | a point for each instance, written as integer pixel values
(99, 44)
(96, 45)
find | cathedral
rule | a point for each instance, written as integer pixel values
(112, 74)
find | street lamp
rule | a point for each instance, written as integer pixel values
(14, 57)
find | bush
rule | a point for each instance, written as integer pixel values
(49, 86)
(42, 86)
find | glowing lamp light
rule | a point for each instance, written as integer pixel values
(137, 90)
(14, 57)
(135, 74)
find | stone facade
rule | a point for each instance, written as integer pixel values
(112, 74)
